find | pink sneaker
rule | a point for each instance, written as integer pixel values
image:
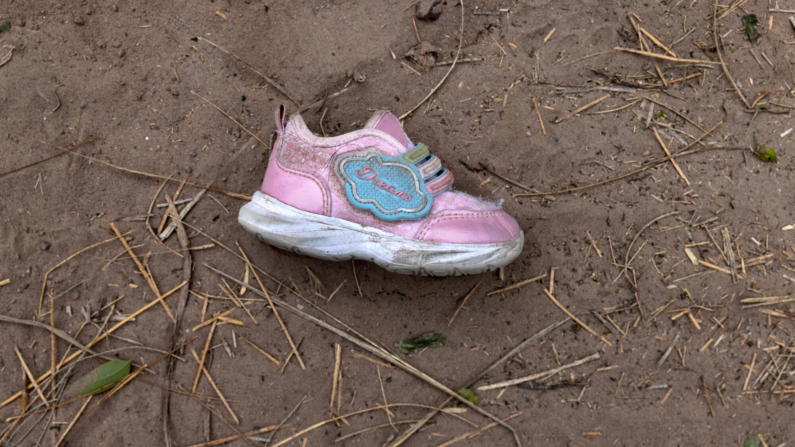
(373, 195)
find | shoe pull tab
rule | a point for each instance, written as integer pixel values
(281, 112)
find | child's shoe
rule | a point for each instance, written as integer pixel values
(371, 194)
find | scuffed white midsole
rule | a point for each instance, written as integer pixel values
(335, 239)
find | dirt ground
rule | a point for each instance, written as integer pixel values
(127, 72)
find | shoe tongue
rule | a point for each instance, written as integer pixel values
(387, 122)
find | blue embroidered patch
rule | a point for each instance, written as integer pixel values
(389, 187)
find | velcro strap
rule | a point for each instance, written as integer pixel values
(419, 152)
(440, 183)
(430, 167)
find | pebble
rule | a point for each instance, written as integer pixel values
(21, 22)
(424, 10)
(116, 43)
(79, 21)
(122, 52)
(45, 246)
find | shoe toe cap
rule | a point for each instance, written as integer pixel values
(469, 227)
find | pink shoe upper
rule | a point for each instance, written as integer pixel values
(300, 174)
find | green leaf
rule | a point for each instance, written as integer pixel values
(466, 165)
(6, 27)
(768, 155)
(469, 395)
(428, 340)
(101, 379)
(752, 441)
(750, 22)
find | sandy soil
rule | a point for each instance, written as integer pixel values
(126, 73)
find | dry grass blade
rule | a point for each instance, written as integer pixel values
(376, 427)
(460, 42)
(229, 439)
(657, 42)
(380, 352)
(57, 332)
(720, 57)
(99, 338)
(63, 151)
(261, 351)
(149, 215)
(538, 112)
(550, 372)
(267, 296)
(517, 285)
(582, 109)
(576, 320)
(143, 271)
(132, 377)
(366, 410)
(215, 387)
(766, 301)
(520, 347)
(668, 153)
(629, 174)
(44, 282)
(662, 56)
(337, 358)
(471, 435)
(204, 356)
(74, 420)
(6, 57)
(187, 268)
(269, 80)
(463, 303)
(218, 415)
(236, 121)
(629, 249)
(30, 377)
(173, 226)
(132, 171)
(681, 115)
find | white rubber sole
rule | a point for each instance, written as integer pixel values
(333, 239)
